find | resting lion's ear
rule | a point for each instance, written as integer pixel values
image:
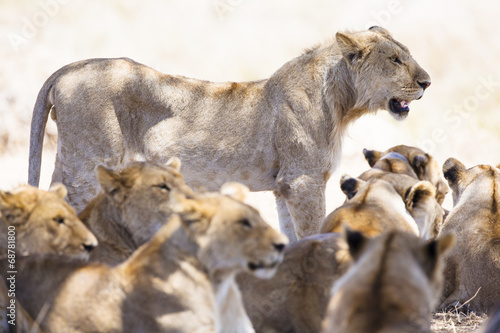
(350, 185)
(356, 242)
(111, 182)
(435, 250)
(59, 189)
(235, 190)
(351, 47)
(381, 31)
(15, 207)
(453, 170)
(420, 162)
(175, 163)
(418, 192)
(372, 156)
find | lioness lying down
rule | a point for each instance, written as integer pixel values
(182, 280)
(472, 269)
(132, 206)
(414, 162)
(42, 222)
(281, 134)
(392, 286)
(295, 299)
(419, 196)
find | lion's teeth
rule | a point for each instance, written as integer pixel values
(404, 104)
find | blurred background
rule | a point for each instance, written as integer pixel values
(456, 41)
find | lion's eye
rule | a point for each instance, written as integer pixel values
(245, 223)
(396, 60)
(163, 187)
(59, 220)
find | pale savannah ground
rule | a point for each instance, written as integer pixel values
(457, 42)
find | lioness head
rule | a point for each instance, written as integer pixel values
(140, 195)
(388, 77)
(45, 223)
(232, 235)
(423, 165)
(460, 178)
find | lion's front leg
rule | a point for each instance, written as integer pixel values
(304, 197)
(285, 219)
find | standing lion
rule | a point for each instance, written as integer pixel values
(282, 134)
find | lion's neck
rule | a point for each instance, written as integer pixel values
(102, 212)
(340, 95)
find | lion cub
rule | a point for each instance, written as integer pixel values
(295, 299)
(392, 286)
(474, 264)
(42, 222)
(182, 280)
(132, 206)
(373, 207)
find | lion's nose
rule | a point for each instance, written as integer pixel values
(424, 84)
(279, 247)
(90, 243)
(88, 247)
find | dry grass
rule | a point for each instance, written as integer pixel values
(456, 321)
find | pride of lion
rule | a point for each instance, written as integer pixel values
(164, 241)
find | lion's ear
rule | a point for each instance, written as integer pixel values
(16, 207)
(59, 189)
(174, 162)
(111, 183)
(350, 185)
(351, 47)
(418, 192)
(235, 190)
(453, 171)
(381, 31)
(435, 250)
(356, 242)
(419, 163)
(372, 156)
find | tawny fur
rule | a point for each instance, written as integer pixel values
(42, 222)
(282, 134)
(419, 196)
(374, 207)
(176, 282)
(132, 206)
(392, 287)
(473, 266)
(295, 299)
(420, 165)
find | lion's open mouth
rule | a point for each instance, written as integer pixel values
(263, 271)
(253, 266)
(398, 106)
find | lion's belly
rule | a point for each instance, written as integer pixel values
(210, 158)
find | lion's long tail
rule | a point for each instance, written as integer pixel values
(38, 122)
